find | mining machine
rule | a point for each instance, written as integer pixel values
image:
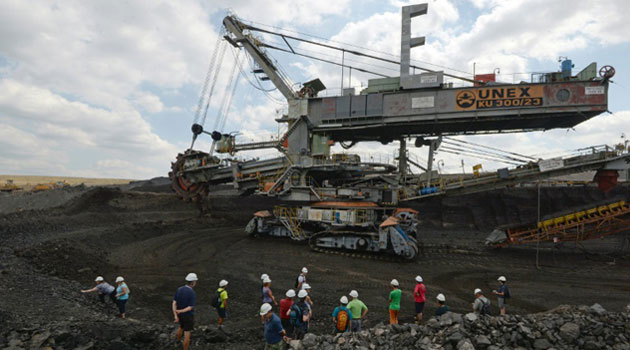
(350, 204)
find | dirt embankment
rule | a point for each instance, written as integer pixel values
(59, 241)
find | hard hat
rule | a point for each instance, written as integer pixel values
(394, 282)
(264, 309)
(441, 297)
(354, 294)
(191, 277)
(502, 279)
(477, 291)
(267, 280)
(223, 283)
(306, 286)
(263, 276)
(99, 279)
(419, 279)
(302, 294)
(304, 270)
(290, 293)
(344, 299)
(119, 279)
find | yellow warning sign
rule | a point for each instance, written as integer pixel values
(499, 97)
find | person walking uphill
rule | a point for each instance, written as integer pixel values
(122, 295)
(267, 296)
(104, 289)
(502, 294)
(183, 309)
(481, 305)
(358, 310)
(342, 316)
(300, 315)
(274, 334)
(219, 301)
(418, 298)
(301, 279)
(394, 302)
(285, 311)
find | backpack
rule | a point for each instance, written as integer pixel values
(297, 281)
(342, 320)
(485, 308)
(506, 293)
(216, 301)
(296, 315)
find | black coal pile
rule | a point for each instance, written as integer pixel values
(566, 327)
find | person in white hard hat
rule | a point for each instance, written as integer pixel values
(274, 333)
(442, 307)
(481, 305)
(267, 295)
(122, 295)
(394, 301)
(285, 311)
(300, 315)
(358, 310)
(262, 279)
(223, 296)
(104, 289)
(342, 316)
(183, 308)
(301, 279)
(502, 294)
(419, 298)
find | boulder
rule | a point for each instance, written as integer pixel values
(569, 331)
(309, 341)
(465, 344)
(542, 344)
(597, 309)
(471, 316)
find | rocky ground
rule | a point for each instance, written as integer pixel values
(54, 243)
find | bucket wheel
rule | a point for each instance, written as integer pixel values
(607, 72)
(184, 188)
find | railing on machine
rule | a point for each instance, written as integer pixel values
(289, 218)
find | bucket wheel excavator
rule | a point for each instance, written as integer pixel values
(350, 205)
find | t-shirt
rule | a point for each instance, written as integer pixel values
(301, 280)
(185, 297)
(502, 289)
(120, 290)
(418, 293)
(357, 307)
(105, 288)
(441, 310)
(285, 305)
(223, 295)
(336, 312)
(265, 295)
(394, 296)
(273, 330)
(479, 303)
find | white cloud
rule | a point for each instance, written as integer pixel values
(149, 102)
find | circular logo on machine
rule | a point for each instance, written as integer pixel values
(465, 99)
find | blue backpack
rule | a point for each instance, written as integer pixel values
(296, 316)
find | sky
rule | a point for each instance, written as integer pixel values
(110, 89)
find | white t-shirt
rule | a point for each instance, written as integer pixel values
(301, 280)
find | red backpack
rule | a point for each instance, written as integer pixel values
(342, 320)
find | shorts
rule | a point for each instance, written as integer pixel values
(356, 325)
(186, 322)
(393, 316)
(121, 305)
(276, 346)
(419, 307)
(222, 312)
(501, 302)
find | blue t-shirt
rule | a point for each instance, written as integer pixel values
(503, 289)
(185, 297)
(119, 290)
(336, 312)
(273, 330)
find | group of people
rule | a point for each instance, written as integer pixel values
(295, 311)
(118, 295)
